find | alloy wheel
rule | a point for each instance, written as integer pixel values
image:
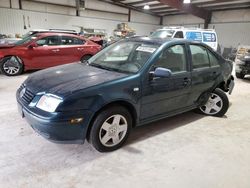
(12, 65)
(113, 130)
(213, 105)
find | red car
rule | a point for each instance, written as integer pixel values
(45, 50)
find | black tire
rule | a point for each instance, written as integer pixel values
(239, 75)
(97, 130)
(85, 58)
(222, 105)
(11, 66)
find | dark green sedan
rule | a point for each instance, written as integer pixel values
(130, 83)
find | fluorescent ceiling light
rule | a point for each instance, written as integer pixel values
(187, 1)
(146, 7)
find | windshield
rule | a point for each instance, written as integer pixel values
(26, 40)
(125, 57)
(162, 34)
(28, 34)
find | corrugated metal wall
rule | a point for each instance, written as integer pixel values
(232, 34)
(11, 22)
(44, 15)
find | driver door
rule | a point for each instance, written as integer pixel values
(162, 96)
(47, 53)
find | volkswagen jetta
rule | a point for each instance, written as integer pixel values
(130, 83)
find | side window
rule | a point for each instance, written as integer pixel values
(213, 60)
(67, 40)
(173, 58)
(199, 56)
(41, 42)
(48, 41)
(71, 41)
(78, 41)
(178, 34)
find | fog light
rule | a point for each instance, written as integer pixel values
(76, 120)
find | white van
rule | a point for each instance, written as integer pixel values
(207, 36)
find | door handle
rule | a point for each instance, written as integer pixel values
(79, 48)
(186, 81)
(56, 50)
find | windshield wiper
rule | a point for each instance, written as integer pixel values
(101, 66)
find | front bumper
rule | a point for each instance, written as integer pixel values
(58, 129)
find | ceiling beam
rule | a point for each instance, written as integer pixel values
(153, 6)
(157, 6)
(191, 9)
(113, 2)
(212, 2)
(159, 9)
(140, 2)
(212, 7)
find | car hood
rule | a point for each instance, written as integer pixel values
(65, 79)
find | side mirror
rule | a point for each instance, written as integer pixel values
(33, 45)
(162, 72)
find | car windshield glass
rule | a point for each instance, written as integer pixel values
(162, 34)
(125, 57)
(25, 40)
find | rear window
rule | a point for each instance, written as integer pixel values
(66, 40)
(213, 60)
(199, 56)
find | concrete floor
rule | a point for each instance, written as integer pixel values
(187, 150)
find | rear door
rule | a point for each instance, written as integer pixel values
(165, 95)
(72, 49)
(204, 73)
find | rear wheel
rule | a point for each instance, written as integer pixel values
(217, 104)
(85, 58)
(11, 66)
(239, 75)
(111, 129)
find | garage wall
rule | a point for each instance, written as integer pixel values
(232, 26)
(62, 14)
(185, 20)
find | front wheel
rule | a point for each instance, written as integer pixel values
(111, 129)
(11, 66)
(217, 104)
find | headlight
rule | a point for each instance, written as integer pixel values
(48, 102)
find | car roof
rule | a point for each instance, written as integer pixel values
(54, 31)
(185, 29)
(154, 41)
(58, 34)
(161, 41)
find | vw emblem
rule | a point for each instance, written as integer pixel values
(22, 92)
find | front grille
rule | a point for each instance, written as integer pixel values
(27, 97)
